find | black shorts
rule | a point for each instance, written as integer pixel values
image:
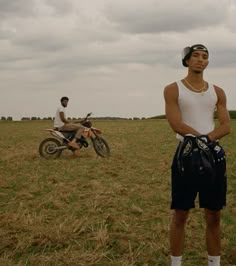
(186, 188)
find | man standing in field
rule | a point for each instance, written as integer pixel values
(199, 165)
(62, 124)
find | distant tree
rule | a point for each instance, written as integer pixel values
(9, 118)
(158, 117)
(232, 114)
(33, 118)
(25, 118)
(3, 118)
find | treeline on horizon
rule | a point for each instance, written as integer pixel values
(34, 118)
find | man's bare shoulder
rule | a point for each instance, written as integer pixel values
(219, 91)
(217, 88)
(171, 88)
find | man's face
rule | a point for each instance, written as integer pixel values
(198, 61)
(64, 103)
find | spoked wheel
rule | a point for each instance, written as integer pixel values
(101, 147)
(48, 148)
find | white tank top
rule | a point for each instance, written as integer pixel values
(57, 121)
(197, 109)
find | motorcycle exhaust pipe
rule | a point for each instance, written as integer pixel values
(61, 148)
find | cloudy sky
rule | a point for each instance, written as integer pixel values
(111, 57)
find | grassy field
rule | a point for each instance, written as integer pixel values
(94, 211)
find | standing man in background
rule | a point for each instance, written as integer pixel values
(190, 106)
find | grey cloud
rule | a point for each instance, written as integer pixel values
(32, 8)
(226, 58)
(158, 16)
(60, 6)
(54, 42)
(42, 44)
(17, 8)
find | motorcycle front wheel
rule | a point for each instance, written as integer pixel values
(48, 148)
(101, 147)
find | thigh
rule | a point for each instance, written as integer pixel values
(183, 190)
(212, 194)
(71, 127)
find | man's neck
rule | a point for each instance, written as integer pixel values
(195, 78)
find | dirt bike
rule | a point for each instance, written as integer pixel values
(51, 148)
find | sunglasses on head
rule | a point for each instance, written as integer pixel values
(199, 47)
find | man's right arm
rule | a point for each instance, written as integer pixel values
(63, 119)
(173, 113)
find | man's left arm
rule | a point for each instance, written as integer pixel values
(224, 127)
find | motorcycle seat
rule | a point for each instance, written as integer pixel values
(63, 131)
(66, 131)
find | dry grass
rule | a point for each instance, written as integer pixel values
(91, 211)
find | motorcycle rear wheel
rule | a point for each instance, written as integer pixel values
(48, 148)
(101, 147)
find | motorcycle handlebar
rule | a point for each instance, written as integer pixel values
(89, 114)
(84, 119)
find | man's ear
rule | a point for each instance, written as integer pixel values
(186, 62)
